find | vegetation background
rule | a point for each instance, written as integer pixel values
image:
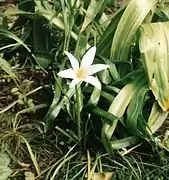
(49, 131)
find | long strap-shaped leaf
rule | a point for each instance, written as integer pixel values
(135, 110)
(55, 108)
(156, 118)
(117, 108)
(154, 45)
(132, 18)
(104, 44)
(8, 34)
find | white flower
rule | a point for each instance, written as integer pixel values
(83, 71)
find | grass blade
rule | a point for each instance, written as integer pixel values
(4, 32)
(32, 155)
(93, 9)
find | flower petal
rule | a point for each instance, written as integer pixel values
(93, 81)
(96, 68)
(74, 62)
(68, 73)
(88, 57)
(74, 82)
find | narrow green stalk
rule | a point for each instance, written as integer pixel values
(78, 112)
(85, 132)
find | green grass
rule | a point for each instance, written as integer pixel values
(51, 150)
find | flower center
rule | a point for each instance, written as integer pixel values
(81, 73)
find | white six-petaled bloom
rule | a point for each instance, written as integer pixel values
(83, 71)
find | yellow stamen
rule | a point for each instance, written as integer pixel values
(81, 73)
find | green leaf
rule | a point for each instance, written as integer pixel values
(135, 109)
(7, 68)
(155, 50)
(94, 99)
(42, 42)
(68, 14)
(106, 137)
(92, 10)
(107, 117)
(4, 159)
(5, 171)
(49, 14)
(104, 44)
(132, 18)
(163, 12)
(112, 69)
(128, 78)
(4, 32)
(43, 59)
(13, 11)
(53, 18)
(82, 42)
(29, 176)
(55, 109)
(112, 3)
(125, 142)
(156, 118)
(118, 108)
(124, 97)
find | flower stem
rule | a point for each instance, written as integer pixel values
(78, 111)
